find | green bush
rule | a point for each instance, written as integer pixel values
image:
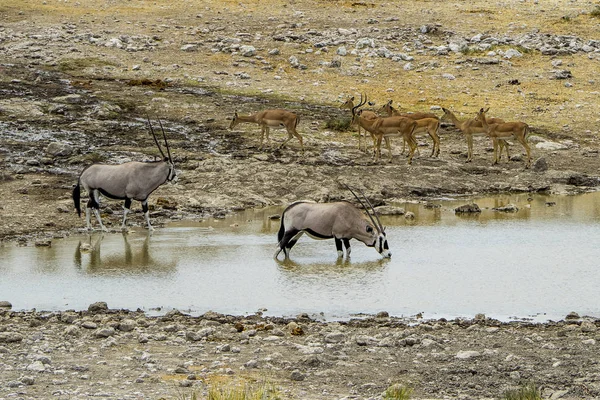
(528, 391)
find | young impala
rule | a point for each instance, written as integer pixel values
(271, 119)
(426, 122)
(517, 130)
(386, 127)
(349, 104)
(472, 127)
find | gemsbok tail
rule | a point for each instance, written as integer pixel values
(77, 198)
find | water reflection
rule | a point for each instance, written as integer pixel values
(130, 259)
(342, 265)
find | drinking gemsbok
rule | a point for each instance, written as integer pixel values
(340, 221)
(132, 180)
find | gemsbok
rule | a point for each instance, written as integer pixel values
(472, 127)
(426, 122)
(129, 181)
(340, 221)
(386, 127)
(271, 119)
(349, 104)
(517, 130)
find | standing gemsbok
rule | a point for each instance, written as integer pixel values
(271, 118)
(132, 180)
(340, 221)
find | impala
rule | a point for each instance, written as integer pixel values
(383, 128)
(426, 122)
(349, 104)
(517, 130)
(271, 118)
(471, 127)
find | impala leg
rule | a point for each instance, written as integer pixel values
(528, 150)
(126, 210)
(147, 214)
(495, 142)
(469, 148)
(389, 147)
(413, 145)
(403, 145)
(436, 144)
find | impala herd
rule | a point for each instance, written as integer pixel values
(405, 125)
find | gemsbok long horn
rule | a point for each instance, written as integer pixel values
(379, 226)
(165, 137)
(155, 139)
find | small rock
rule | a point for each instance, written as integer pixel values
(127, 325)
(36, 366)
(450, 77)
(89, 325)
(409, 215)
(335, 337)
(540, 165)
(28, 380)
(105, 332)
(572, 315)
(98, 307)
(5, 304)
(10, 337)
(466, 354)
(189, 47)
(468, 208)
(562, 74)
(588, 326)
(296, 375)
(247, 51)
(507, 208)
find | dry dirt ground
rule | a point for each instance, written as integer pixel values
(79, 78)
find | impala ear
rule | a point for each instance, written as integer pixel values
(481, 110)
(352, 98)
(486, 110)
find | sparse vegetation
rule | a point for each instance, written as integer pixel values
(528, 391)
(338, 124)
(243, 391)
(595, 12)
(398, 392)
(78, 64)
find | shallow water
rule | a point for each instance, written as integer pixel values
(540, 263)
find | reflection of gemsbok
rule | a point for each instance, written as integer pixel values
(88, 256)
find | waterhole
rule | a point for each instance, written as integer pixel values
(540, 262)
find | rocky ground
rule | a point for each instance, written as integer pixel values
(128, 355)
(78, 80)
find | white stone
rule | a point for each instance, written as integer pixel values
(466, 354)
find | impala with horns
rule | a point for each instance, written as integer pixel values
(271, 119)
(349, 104)
(384, 128)
(472, 127)
(340, 221)
(132, 180)
(426, 122)
(517, 130)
